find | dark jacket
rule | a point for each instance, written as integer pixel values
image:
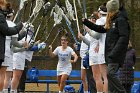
(117, 37)
(6, 31)
(126, 73)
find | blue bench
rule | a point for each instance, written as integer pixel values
(74, 74)
(137, 74)
(136, 86)
(52, 73)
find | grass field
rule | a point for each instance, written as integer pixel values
(42, 87)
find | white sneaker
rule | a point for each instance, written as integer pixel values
(5, 90)
(61, 92)
(85, 91)
(13, 91)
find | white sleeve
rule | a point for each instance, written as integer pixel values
(99, 22)
(56, 51)
(72, 51)
(15, 35)
(86, 41)
(94, 34)
(11, 24)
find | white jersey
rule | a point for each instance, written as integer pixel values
(92, 54)
(93, 44)
(84, 47)
(29, 54)
(101, 21)
(8, 40)
(11, 24)
(19, 57)
(25, 54)
(64, 57)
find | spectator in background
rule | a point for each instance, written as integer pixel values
(126, 73)
(5, 31)
(117, 38)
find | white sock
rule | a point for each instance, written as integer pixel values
(61, 92)
(13, 91)
(5, 90)
(99, 92)
(85, 91)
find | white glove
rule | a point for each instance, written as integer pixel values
(28, 26)
(41, 45)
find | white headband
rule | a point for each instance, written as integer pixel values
(102, 12)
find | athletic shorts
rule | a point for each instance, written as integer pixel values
(82, 67)
(64, 71)
(7, 61)
(18, 62)
(10, 68)
(93, 59)
(101, 59)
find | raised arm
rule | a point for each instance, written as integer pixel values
(95, 35)
(21, 35)
(15, 42)
(19, 47)
(50, 52)
(92, 26)
(84, 39)
(16, 49)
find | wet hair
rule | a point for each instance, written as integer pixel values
(9, 10)
(8, 6)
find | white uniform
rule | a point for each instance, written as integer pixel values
(101, 57)
(84, 48)
(93, 57)
(19, 57)
(8, 53)
(64, 66)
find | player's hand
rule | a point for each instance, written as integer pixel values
(72, 61)
(25, 44)
(83, 19)
(50, 47)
